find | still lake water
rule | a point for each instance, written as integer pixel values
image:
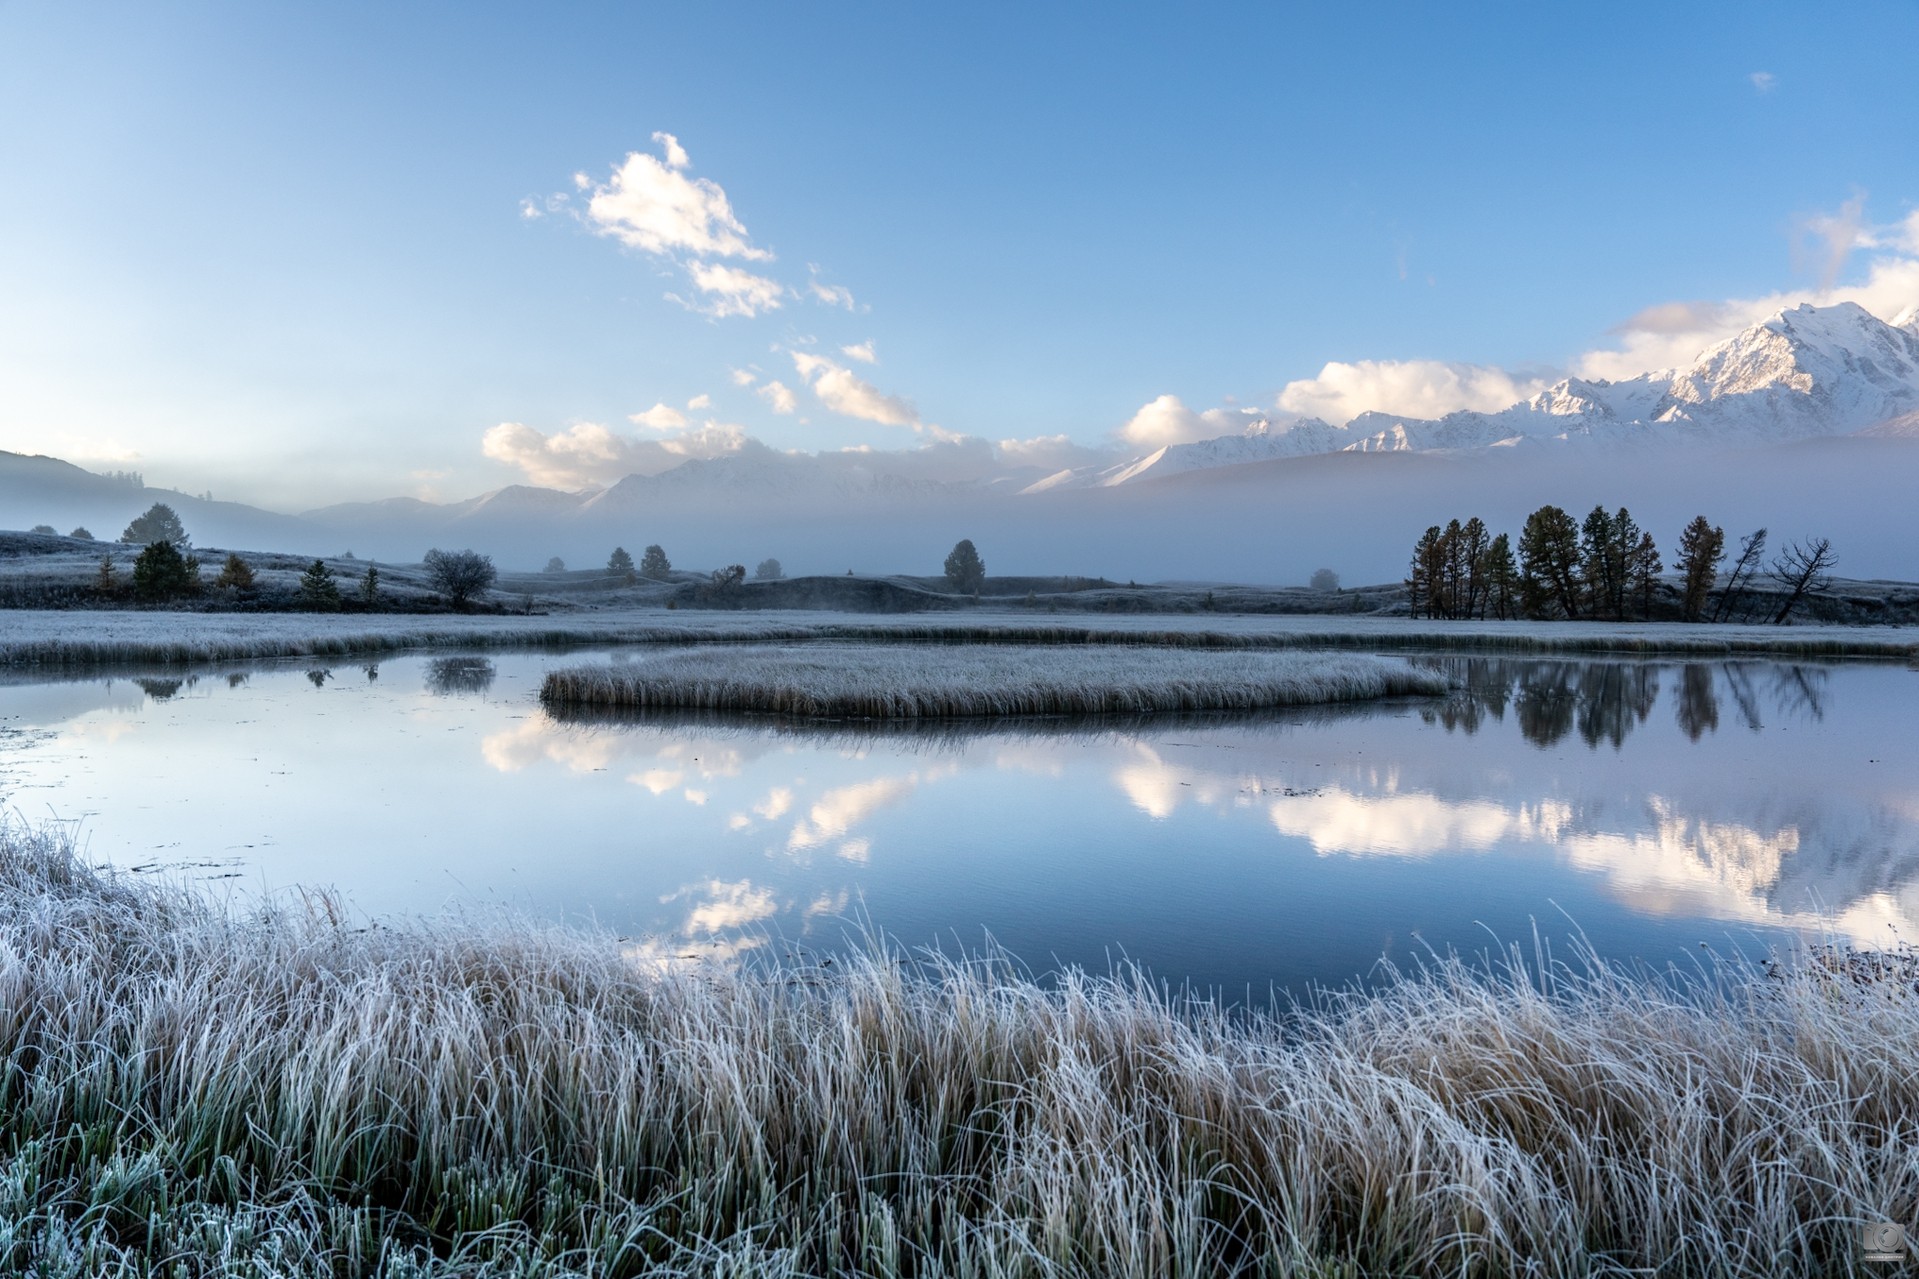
(1651, 806)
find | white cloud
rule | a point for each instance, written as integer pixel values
(1672, 334)
(732, 290)
(675, 153)
(743, 377)
(1406, 388)
(1825, 240)
(841, 391)
(590, 454)
(1051, 453)
(661, 417)
(779, 395)
(863, 352)
(655, 207)
(831, 294)
(1904, 236)
(1166, 420)
(700, 402)
(1764, 81)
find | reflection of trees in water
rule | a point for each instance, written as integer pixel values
(160, 689)
(1612, 699)
(1801, 691)
(319, 677)
(1698, 709)
(1744, 698)
(453, 676)
(1604, 701)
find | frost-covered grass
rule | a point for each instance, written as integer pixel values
(188, 1090)
(920, 681)
(94, 638)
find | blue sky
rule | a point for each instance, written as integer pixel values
(284, 252)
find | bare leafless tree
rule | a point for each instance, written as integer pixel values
(1801, 568)
(1744, 569)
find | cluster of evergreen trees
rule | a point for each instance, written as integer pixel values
(1606, 567)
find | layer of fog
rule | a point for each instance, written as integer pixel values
(1268, 522)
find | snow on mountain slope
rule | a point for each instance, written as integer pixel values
(1805, 372)
(1261, 442)
(1903, 427)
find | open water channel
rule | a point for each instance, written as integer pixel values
(1648, 806)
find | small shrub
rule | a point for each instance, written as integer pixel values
(236, 575)
(460, 575)
(162, 573)
(80, 534)
(43, 529)
(318, 591)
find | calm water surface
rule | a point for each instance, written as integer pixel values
(1650, 805)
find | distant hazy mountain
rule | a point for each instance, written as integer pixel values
(46, 490)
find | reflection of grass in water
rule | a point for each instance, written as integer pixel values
(937, 731)
(897, 682)
(184, 1087)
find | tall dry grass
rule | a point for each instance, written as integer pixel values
(186, 1091)
(910, 682)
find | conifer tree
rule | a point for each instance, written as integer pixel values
(965, 570)
(236, 574)
(1502, 579)
(1549, 564)
(318, 591)
(1701, 547)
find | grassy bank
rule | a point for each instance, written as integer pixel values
(912, 682)
(53, 639)
(189, 1091)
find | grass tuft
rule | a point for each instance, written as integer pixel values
(915, 682)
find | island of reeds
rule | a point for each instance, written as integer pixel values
(924, 681)
(192, 1089)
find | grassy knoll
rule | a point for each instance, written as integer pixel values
(187, 1090)
(909, 682)
(44, 639)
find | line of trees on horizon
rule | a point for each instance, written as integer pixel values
(1605, 567)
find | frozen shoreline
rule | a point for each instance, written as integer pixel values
(41, 638)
